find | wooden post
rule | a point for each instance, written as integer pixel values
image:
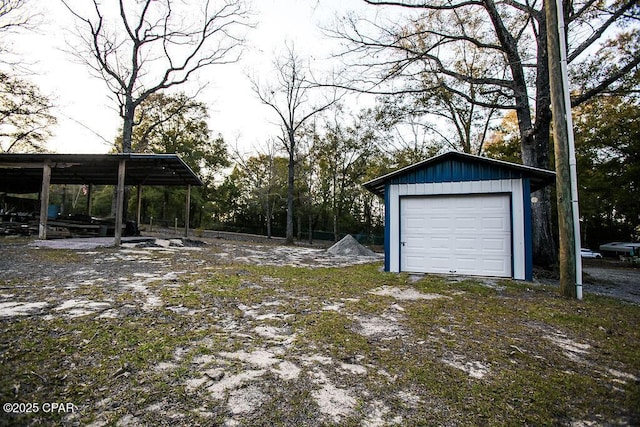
(566, 225)
(119, 202)
(139, 205)
(89, 201)
(187, 211)
(44, 200)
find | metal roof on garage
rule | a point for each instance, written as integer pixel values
(22, 173)
(457, 166)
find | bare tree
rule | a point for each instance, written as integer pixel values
(13, 15)
(344, 151)
(290, 98)
(142, 47)
(25, 113)
(25, 117)
(512, 35)
(261, 172)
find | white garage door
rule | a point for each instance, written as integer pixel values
(463, 234)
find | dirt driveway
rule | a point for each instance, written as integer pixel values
(612, 279)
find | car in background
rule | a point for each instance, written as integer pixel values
(588, 253)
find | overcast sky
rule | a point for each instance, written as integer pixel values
(87, 118)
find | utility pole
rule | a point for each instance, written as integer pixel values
(564, 150)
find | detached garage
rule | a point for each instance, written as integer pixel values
(460, 214)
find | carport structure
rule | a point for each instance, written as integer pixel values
(34, 173)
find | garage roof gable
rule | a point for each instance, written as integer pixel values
(457, 166)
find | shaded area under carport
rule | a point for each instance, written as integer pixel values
(34, 173)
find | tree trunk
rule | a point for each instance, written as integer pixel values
(290, 184)
(545, 251)
(127, 138)
(128, 118)
(268, 214)
(534, 138)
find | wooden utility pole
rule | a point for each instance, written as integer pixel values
(567, 199)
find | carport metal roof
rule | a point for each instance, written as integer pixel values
(22, 173)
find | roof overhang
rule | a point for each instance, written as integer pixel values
(22, 173)
(539, 178)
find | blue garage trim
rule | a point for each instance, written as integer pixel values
(387, 229)
(528, 238)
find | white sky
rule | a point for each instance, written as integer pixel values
(82, 101)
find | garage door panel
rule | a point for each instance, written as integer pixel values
(414, 262)
(463, 234)
(438, 243)
(494, 265)
(498, 224)
(465, 265)
(440, 264)
(466, 244)
(415, 225)
(495, 244)
(438, 224)
(465, 223)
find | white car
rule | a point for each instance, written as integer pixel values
(588, 253)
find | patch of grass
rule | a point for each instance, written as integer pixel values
(368, 304)
(332, 331)
(351, 282)
(186, 295)
(530, 378)
(287, 406)
(87, 359)
(63, 256)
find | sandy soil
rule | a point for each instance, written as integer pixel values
(135, 268)
(601, 276)
(138, 266)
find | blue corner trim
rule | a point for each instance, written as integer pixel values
(528, 238)
(387, 229)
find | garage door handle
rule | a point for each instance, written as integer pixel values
(403, 243)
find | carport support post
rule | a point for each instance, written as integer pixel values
(44, 200)
(119, 202)
(186, 211)
(139, 205)
(89, 201)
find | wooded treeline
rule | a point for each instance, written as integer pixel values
(340, 151)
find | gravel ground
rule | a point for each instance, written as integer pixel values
(602, 277)
(612, 279)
